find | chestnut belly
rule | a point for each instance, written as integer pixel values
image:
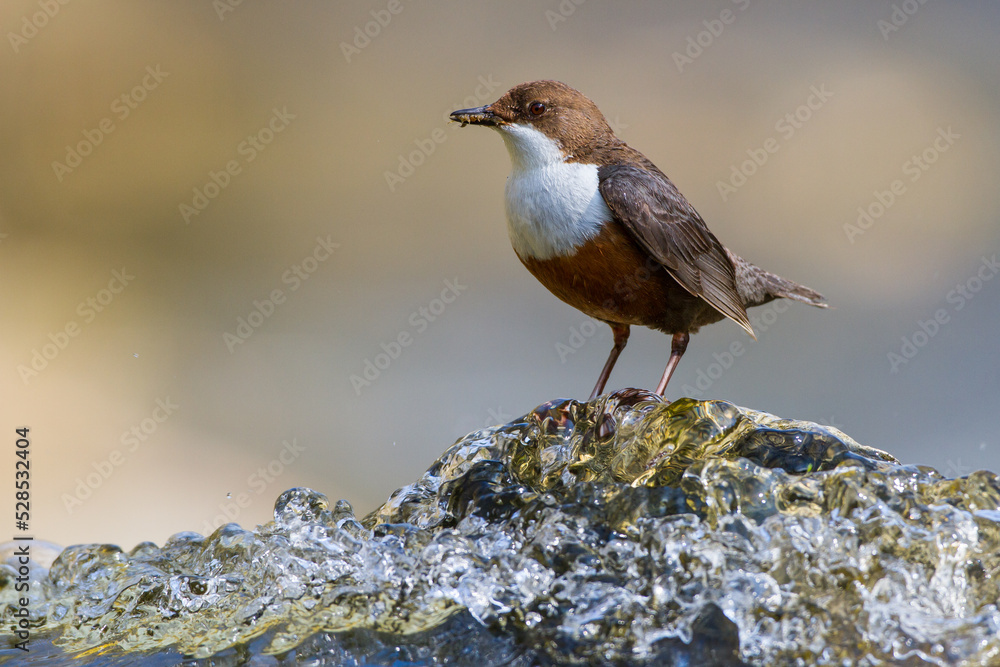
(611, 278)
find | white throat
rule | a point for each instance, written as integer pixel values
(553, 206)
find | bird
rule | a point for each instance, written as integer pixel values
(600, 226)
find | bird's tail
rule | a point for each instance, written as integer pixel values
(780, 287)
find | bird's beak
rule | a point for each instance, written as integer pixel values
(476, 116)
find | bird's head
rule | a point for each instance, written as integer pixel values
(542, 121)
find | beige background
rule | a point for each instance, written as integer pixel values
(492, 353)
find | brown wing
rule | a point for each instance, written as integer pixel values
(670, 230)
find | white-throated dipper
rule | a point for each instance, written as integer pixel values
(608, 233)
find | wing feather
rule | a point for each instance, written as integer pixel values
(671, 231)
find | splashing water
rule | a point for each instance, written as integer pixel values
(624, 530)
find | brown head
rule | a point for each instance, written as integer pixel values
(563, 114)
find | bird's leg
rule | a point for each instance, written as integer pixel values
(620, 332)
(678, 344)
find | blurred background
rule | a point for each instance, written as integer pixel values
(242, 249)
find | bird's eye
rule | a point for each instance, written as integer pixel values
(536, 108)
